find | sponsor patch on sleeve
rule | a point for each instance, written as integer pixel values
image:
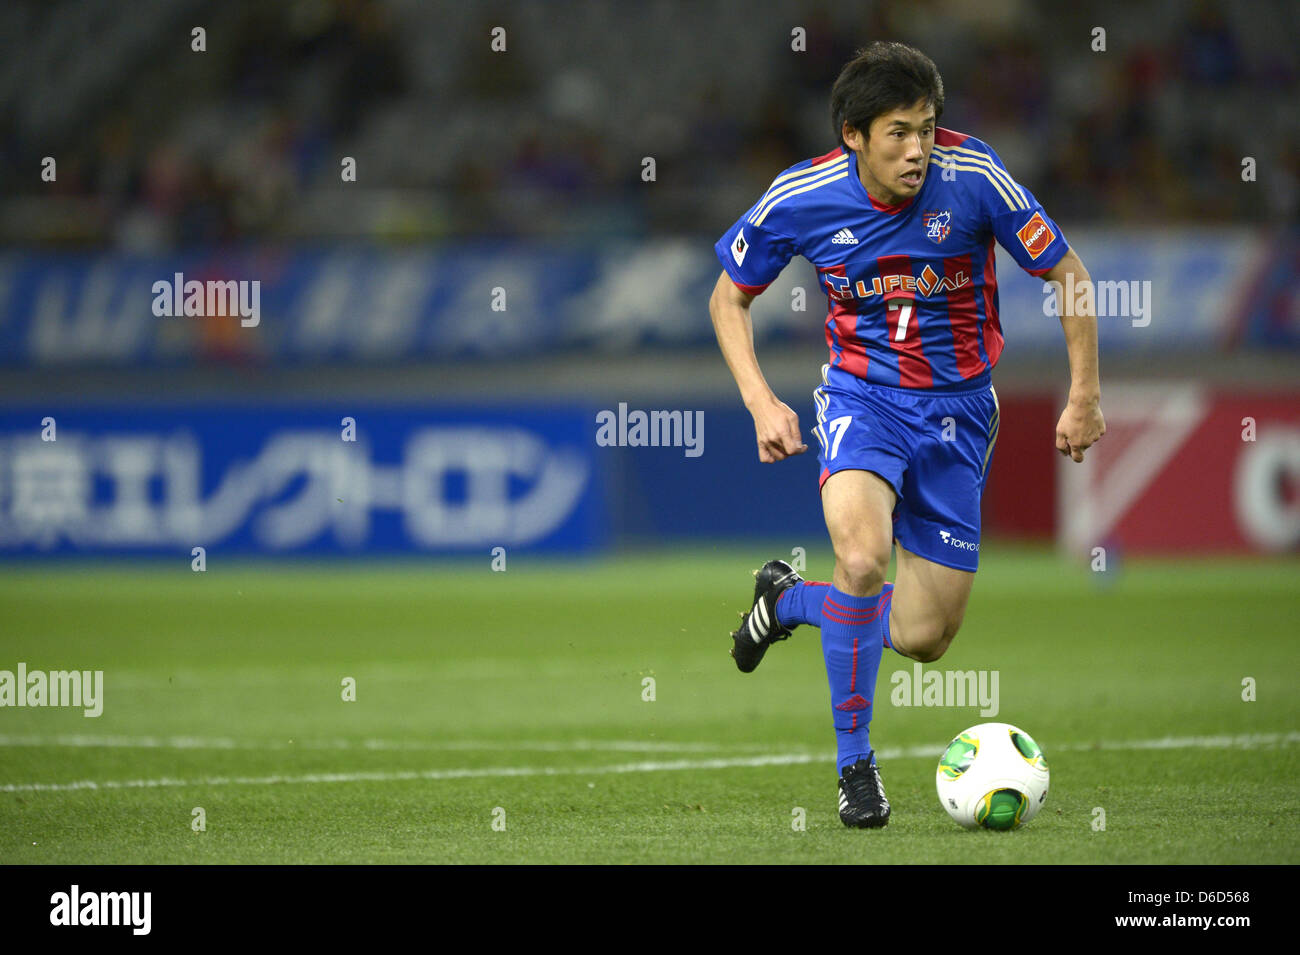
(739, 248)
(1035, 236)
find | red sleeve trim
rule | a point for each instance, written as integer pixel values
(948, 137)
(835, 153)
(751, 289)
(1040, 272)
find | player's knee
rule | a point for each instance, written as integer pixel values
(932, 644)
(929, 652)
(863, 569)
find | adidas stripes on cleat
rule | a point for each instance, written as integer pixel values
(862, 796)
(760, 628)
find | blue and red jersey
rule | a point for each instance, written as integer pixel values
(912, 290)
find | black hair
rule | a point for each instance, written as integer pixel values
(883, 76)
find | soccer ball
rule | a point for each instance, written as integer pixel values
(992, 776)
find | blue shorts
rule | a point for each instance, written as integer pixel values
(933, 447)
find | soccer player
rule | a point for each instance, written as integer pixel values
(899, 221)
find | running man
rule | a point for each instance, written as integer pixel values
(899, 221)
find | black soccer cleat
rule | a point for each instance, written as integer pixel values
(760, 628)
(862, 796)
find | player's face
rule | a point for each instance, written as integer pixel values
(893, 158)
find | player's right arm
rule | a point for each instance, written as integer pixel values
(775, 424)
(752, 254)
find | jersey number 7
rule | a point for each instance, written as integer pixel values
(900, 312)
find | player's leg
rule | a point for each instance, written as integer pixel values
(928, 607)
(782, 601)
(942, 487)
(849, 443)
(938, 526)
(857, 505)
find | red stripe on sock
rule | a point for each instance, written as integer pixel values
(849, 621)
(865, 616)
(838, 606)
(853, 676)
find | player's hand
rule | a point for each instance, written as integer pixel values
(1081, 426)
(777, 428)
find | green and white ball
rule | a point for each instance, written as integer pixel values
(992, 776)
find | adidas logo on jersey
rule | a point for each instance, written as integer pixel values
(843, 237)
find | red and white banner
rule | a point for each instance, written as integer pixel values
(1185, 469)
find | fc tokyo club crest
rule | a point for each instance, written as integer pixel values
(937, 225)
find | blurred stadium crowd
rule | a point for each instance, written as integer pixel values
(160, 147)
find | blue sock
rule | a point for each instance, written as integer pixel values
(802, 603)
(886, 600)
(852, 644)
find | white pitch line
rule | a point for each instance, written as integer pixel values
(1249, 740)
(428, 774)
(76, 740)
(1243, 741)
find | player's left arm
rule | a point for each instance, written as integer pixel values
(1081, 424)
(1023, 228)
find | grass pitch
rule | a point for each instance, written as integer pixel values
(521, 699)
